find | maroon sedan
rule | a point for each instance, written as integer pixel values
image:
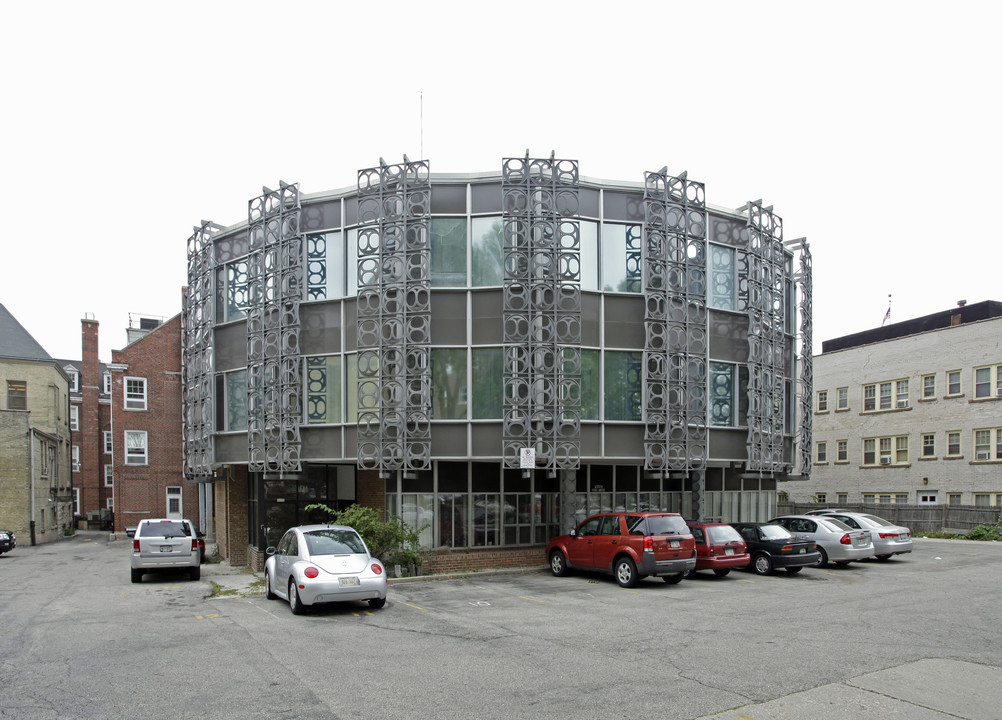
(719, 547)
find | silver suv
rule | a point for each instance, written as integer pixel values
(162, 544)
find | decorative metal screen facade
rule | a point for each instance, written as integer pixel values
(274, 362)
(197, 354)
(542, 311)
(804, 278)
(675, 323)
(767, 343)
(394, 317)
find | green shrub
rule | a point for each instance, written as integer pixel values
(392, 540)
(987, 532)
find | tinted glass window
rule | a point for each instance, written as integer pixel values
(334, 542)
(835, 525)
(720, 534)
(666, 525)
(774, 532)
(851, 522)
(611, 525)
(878, 520)
(165, 529)
(589, 526)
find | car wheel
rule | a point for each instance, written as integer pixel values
(883, 557)
(195, 573)
(721, 572)
(794, 571)
(558, 563)
(137, 576)
(294, 602)
(822, 557)
(377, 603)
(267, 588)
(626, 572)
(673, 579)
(762, 564)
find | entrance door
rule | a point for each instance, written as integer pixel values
(174, 503)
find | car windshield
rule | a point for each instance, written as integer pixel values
(165, 529)
(775, 532)
(719, 534)
(666, 525)
(833, 524)
(878, 520)
(334, 542)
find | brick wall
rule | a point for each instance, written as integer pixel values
(371, 491)
(487, 559)
(141, 490)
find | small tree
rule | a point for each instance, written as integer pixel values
(392, 540)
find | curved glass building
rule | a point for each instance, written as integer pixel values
(491, 356)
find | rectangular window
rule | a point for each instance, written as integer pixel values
(886, 394)
(842, 447)
(623, 389)
(621, 268)
(988, 381)
(842, 498)
(822, 401)
(901, 394)
(108, 447)
(822, 452)
(135, 393)
(988, 444)
(722, 389)
(869, 499)
(901, 498)
(929, 445)
(487, 248)
(722, 278)
(982, 500)
(448, 252)
(953, 382)
(136, 448)
(75, 458)
(74, 380)
(885, 450)
(324, 265)
(17, 395)
(954, 498)
(488, 393)
(74, 417)
(843, 399)
(822, 497)
(323, 393)
(109, 477)
(953, 443)
(106, 383)
(885, 499)
(869, 451)
(448, 383)
(869, 398)
(901, 449)
(928, 387)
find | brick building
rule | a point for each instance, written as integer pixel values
(146, 416)
(910, 413)
(90, 429)
(35, 480)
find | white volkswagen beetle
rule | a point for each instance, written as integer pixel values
(323, 563)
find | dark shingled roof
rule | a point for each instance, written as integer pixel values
(16, 342)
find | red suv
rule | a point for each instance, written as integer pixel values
(719, 547)
(630, 545)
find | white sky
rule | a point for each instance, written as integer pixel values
(871, 127)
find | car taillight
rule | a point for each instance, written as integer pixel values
(135, 546)
(194, 544)
(648, 543)
(888, 535)
(846, 540)
(786, 548)
(311, 572)
(377, 568)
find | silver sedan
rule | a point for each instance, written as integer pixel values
(323, 563)
(888, 538)
(836, 541)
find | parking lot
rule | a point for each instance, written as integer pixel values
(913, 637)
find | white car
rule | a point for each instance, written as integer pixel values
(323, 563)
(836, 541)
(163, 544)
(888, 538)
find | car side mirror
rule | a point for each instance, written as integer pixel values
(270, 550)
(573, 533)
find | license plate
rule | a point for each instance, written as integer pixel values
(166, 548)
(802, 551)
(674, 543)
(348, 581)
(728, 551)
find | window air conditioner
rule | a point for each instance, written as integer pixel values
(983, 456)
(998, 392)
(902, 403)
(885, 461)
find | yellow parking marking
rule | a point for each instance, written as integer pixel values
(415, 607)
(743, 580)
(523, 597)
(207, 617)
(634, 592)
(744, 717)
(86, 539)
